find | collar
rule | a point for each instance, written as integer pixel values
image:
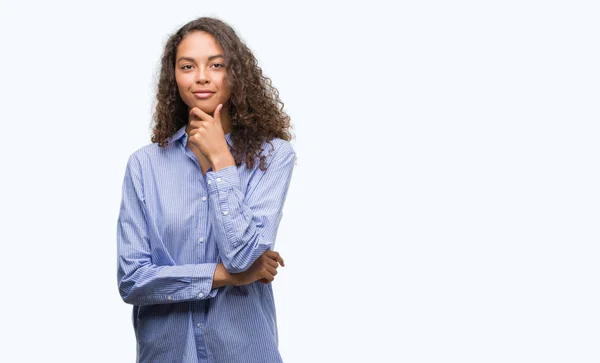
(183, 136)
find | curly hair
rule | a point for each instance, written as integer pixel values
(255, 110)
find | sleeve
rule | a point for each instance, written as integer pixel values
(140, 281)
(246, 226)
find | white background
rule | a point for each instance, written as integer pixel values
(445, 203)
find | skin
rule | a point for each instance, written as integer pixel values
(263, 270)
(200, 66)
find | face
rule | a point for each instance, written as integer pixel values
(200, 66)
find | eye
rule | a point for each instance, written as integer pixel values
(184, 67)
(220, 65)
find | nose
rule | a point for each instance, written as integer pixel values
(202, 77)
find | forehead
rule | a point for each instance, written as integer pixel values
(198, 44)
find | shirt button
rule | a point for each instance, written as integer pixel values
(198, 325)
(201, 240)
(204, 199)
(218, 179)
(210, 182)
(225, 212)
(169, 297)
(200, 295)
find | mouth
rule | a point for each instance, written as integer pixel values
(203, 95)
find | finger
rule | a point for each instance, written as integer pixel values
(263, 281)
(217, 113)
(272, 270)
(271, 262)
(272, 254)
(276, 256)
(193, 116)
(198, 124)
(192, 135)
(197, 112)
(194, 124)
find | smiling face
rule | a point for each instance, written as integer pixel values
(200, 66)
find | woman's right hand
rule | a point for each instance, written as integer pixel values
(263, 269)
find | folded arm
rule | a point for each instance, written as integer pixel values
(141, 282)
(246, 226)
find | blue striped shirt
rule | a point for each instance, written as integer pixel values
(175, 224)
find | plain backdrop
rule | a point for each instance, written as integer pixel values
(444, 206)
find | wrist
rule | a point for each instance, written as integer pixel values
(221, 161)
(222, 277)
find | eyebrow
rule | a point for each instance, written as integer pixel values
(192, 59)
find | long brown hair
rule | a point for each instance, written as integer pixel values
(255, 110)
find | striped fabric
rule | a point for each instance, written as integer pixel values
(175, 224)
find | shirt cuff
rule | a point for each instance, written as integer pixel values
(203, 280)
(223, 179)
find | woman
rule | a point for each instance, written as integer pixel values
(202, 204)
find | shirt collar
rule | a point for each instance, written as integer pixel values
(182, 135)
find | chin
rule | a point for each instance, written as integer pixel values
(207, 108)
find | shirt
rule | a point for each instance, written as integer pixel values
(174, 225)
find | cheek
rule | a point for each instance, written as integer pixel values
(225, 89)
(182, 86)
(183, 81)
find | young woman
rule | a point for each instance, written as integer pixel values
(202, 203)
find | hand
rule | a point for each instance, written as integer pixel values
(263, 269)
(206, 133)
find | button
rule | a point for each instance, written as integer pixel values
(209, 182)
(218, 180)
(225, 212)
(201, 239)
(204, 199)
(198, 325)
(200, 295)
(169, 297)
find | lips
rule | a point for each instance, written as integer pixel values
(203, 94)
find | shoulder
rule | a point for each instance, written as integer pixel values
(139, 154)
(142, 157)
(277, 153)
(278, 149)
(151, 151)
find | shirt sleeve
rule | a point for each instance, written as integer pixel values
(140, 281)
(246, 226)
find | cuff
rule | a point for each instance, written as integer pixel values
(203, 280)
(223, 179)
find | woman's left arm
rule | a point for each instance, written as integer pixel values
(246, 226)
